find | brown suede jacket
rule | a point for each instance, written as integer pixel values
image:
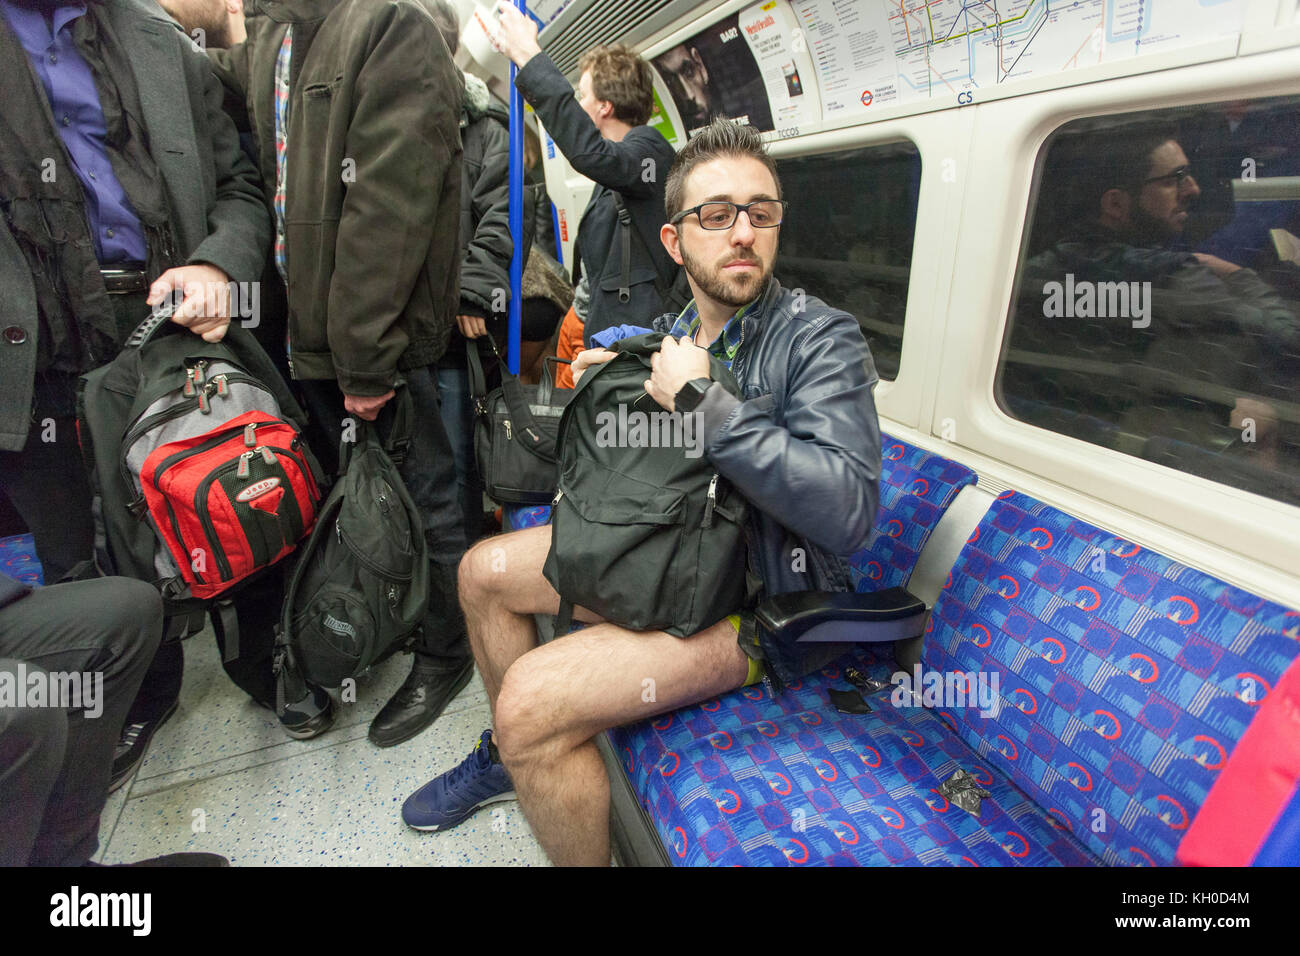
(372, 181)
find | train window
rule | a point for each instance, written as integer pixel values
(847, 238)
(1157, 303)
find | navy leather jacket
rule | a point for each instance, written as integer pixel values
(803, 447)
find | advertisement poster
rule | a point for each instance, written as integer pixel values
(771, 32)
(714, 74)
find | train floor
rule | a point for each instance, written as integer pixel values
(221, 776)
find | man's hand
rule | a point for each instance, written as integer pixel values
(677, 362)
(366, 406)
(516, 35)
(205, 310)
(586, 359)
(1220, 267)
(471, 326)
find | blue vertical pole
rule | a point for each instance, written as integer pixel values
(516, 216)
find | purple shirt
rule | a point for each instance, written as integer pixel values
(74, 101)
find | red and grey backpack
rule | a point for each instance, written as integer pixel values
(200, 472)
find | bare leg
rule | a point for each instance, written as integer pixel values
(555, 699)
(501, 588)
(549, 702)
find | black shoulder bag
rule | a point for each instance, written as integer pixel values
(514, 431)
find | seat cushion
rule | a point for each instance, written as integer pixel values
(746, 779)
(518, 517)
(916, 488)
(1125, 679)
(18, 559)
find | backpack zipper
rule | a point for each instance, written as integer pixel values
(712, 502)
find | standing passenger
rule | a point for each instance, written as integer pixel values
(486, 247)
(355, 106)
(121, 181)
(604, 137)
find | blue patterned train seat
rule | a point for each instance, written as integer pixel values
(916, 488)
(1125, 678)
(18, 559)
(747, 779)
(518, 517)
(1123, 682)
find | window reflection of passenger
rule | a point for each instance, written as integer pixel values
(1200, 327)
(688, 80)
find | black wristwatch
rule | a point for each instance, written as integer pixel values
(691, 394)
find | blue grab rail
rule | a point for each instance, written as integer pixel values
(516, 186)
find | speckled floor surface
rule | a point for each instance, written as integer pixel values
(222, 777)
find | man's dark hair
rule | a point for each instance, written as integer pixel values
(448, 24)
(621, 77)
(1115, 159)
(720, 138)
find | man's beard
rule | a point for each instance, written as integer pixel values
(1150, 231)
(731, 290)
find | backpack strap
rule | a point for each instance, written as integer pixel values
(401, 425)
(146, 330)
(625, 224)
(666, 295)
(224, 609)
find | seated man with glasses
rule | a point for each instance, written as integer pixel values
(802, 446)
(1117, 321)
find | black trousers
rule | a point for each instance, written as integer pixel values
(55, 763)
(430, 476)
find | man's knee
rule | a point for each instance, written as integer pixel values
(529, 711)
(477, 572)
(130, 613)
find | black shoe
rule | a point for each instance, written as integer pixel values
(418, 702)
(131, 747)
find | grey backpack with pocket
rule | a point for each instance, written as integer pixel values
(645, 531)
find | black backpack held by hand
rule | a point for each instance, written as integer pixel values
(645, 531)
(360, 588)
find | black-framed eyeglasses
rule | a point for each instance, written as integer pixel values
(718, 215)
(1178, 175)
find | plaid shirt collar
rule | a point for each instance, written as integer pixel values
(725, 346)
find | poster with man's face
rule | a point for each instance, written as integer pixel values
(714, 74)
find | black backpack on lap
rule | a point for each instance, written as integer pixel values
(645, 531)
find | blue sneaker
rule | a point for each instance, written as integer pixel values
(445, 801)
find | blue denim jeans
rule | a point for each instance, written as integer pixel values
(458, 419)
